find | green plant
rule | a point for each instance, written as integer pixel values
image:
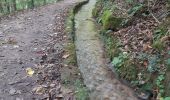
(159, 83)
(111, 44)
(168, 61)
(124, 66)
(129, 1)
(158, 44)
(153, 64)
(153, 61)
(109, 21)
(158, 33)
(135, 9)
(167, 98)
(118, 61)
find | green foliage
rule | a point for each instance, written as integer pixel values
(167, 98)
(153, 64)
(160, 32)
(153, 61)
(158, 45)
(111, 44)
(135, 9)
(124, 66)
(168, 61)
(109, 21)
(159, 83)
(118, 61)
(147, 86)
(129, 1)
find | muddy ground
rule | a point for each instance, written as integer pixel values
(33, 39)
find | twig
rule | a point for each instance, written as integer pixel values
(152, 13)
(155, 18)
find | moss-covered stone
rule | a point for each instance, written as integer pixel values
(111, 22)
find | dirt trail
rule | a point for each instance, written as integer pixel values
(33, 39)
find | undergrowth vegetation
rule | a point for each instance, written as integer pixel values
(137, 41)
(9, 6)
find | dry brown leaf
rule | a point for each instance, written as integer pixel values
(66, 56)
(39, 90)
(146, 47)
(145, 63)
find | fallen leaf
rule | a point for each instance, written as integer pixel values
(145, 63)
(29, 71)
(146, 47)
(38, 90)
(65, 65)
(66, 56)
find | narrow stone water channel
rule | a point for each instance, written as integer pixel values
(97, 76)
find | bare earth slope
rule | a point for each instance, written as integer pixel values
(33, 39)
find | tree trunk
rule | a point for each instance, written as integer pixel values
(32, 3)
(45, 2)
(14, 5)
(7, 5)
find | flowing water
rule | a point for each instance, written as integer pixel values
(97, 76)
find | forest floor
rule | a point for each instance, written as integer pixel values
(32, 52)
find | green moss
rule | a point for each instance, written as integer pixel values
(110, 22)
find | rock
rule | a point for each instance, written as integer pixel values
(12, 91)
(16, 46)
(146, 95)
(19, 98)
(52, 85)
(109, 32)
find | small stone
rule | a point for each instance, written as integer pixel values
(12, 91)
(59, 96)
(29, 18)
(19, 98)
(52, 85)
(5, 46)
(147, 95)
(55, 33)
(109, 32)
(16, 46)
